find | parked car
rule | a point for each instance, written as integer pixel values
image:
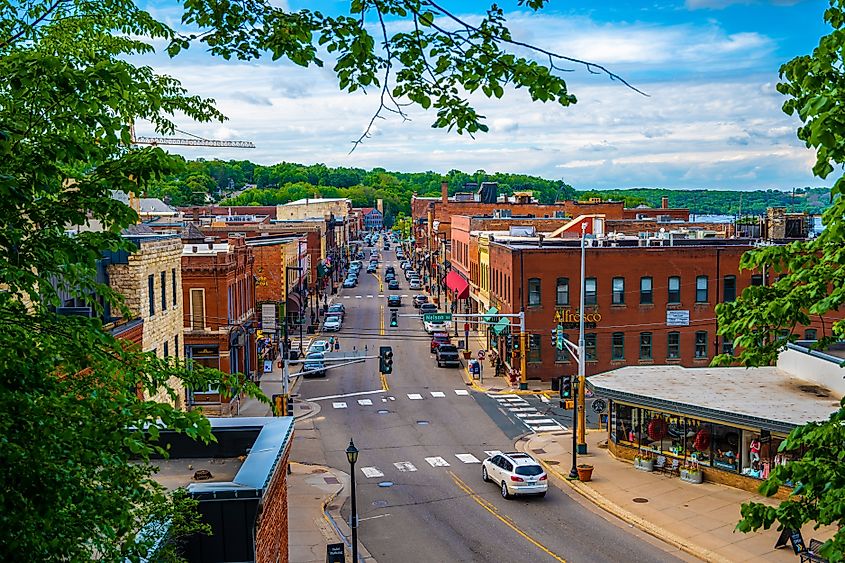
(314, 361)
(447, 355)
(319, 346)
(436, 326)
(516, 473)
(394, 301)
(388, 276)
(393, 284)
(372, 268)
(336, 309)
(437, 339)
(415, 284)
(390, 270)
(350, 282)
(405, 265)
(419, 300)
(332, 323)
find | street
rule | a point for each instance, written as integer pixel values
(421, 439)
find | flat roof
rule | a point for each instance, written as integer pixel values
(203, 250)
(630, 241)
(175, 473)
(767, 397)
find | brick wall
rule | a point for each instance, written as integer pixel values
(271, 538)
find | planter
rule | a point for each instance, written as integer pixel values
(692, 476)
(585, 472)
(643, 464)
(467, 354)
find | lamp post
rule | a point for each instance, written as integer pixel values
(352, 456)
(580, 379)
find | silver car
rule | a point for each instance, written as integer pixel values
(516, 473)
(332, 323)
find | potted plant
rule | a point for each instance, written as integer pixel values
(691, 473)
(644, 462)
(585, 472)
(467, 354)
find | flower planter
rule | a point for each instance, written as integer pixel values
(692, 476)
(644, 464)
(467, 354)
(585, 472)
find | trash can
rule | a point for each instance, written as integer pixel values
(294, 355)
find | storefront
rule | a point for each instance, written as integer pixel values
(726, 422)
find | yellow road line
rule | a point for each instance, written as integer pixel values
(504, 519)
(384, 385)
(381, 321)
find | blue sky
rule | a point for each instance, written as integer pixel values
(712, 118)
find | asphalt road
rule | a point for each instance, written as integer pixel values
(416, 509)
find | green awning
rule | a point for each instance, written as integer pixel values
(501, 326)
(488, 316)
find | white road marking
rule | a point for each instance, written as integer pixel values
(358, 297)
(467, 458)
(383, 400)
(346, 297)
(438, 394)
(381, 295)
(530, 415)
(365, 402)
(373, 517)
(461, 392)
(491, 453)
(501, 397)
(404, 295)
(437, 462)
(539, 421)
(372, 472)
(544, 398)
(405, 466)
(339, 405)
(549, 428)
(346, 395)
(369, 296)
(415, 396)
(522, 409)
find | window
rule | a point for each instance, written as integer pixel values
(533, 292)
(164, 291)
(534, 348)
(729, 289)
(230, 304)
(810, 334)
(673, 346)
(674, 289)
(701, 289)
(151, 292)
(618, 291)
(176, 345)
(645, 346)
(562, 355)
(727, 346)
(618, 349)
(197, 309)
(590, 347)
(700, 345)
(173, 286)
(166, 349)
(590, 291)
(562, 294)
(757, 279)
(646, 291)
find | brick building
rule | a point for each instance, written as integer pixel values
(219, 293)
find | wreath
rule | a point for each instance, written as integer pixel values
(702, 440)
(657, 429)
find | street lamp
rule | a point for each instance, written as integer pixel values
(352, 456)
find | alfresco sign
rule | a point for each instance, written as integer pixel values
(571, 319)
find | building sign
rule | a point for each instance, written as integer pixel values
(268, 317)
(568, 318)
(677, 318)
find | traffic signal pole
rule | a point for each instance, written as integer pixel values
(582, 379)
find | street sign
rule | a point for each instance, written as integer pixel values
(599, 406)
(437, 317)
(335, 553)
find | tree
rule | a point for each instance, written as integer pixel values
(764, 318)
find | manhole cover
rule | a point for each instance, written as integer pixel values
(640, 500)
(379, 503)
(383, 411)
(385, 484)
(422, 422)
(551, 462)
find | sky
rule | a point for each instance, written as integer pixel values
(711, 119)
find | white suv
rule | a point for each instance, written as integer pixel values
(516, 473)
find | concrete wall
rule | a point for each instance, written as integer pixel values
(811, 368)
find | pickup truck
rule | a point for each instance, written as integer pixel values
(447, 355)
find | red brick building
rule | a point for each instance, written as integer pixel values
(218, 287)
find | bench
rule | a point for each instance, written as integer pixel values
(811, 553)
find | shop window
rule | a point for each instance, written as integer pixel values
(645, 346)
(151, 294)
(728, 347)
(590, 291)
(726, 447)
(626, 427)
(562, 355)
(618, 291)
(646, 291)
(699, 440)
(673, 346)
(590, 347)
(618, 348)
(534, 292)
(700, 345)
(810, 334)
(729, 289)
(534, 348)
(562, 293)
(751, 459)
(701, 289)
(757, 279)
(674, 290)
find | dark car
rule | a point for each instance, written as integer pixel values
(388, 276)
(438, 339)
(427, 308)
(372, 268)
(393, 284)
(336, 309)
(390, 270)
(394, 301)
(447, 355)
(419, 300)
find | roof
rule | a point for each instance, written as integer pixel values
(202, 249)
(175, 473)
(316, 200)
(766, 398)
(155, 205)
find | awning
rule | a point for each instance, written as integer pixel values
(489, 315)
(501, 326)
(294, 303)
(458, 285)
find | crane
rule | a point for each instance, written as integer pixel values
(195, 142)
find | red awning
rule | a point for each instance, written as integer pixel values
(457, 283)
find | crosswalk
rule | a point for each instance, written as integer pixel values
(339, 404)
(372, 296)
(533, 419)
(432, 462)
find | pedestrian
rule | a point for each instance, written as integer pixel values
(337, 344)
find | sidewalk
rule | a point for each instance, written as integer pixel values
(698, 519)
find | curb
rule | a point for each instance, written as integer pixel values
(469, 381)
(338, 524)
(626, 516)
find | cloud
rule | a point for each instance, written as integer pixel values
(252, 99)
(721, 4)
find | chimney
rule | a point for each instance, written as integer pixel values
(540, 243)
(195, 249)
(196, 211)
(444, 192)
(664, 202)
(380, 206)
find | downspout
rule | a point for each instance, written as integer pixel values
(716, 300)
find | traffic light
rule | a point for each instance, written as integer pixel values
(516, 339)
(554, 337)
(566, 387)
(394, 318)
(385, 359)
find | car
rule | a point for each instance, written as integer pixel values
(516, 473)
(390, 270)
(314, 361)
(405, 265)
(419, 300)
(388, 276)
(332, 323)
(336, 309)
(427, 308)
(394, 301)
(437, 339)
(319, 346)
(447, 355)
(414, 284)
(349, 282)
(393, 284)
(436, 326)
(372, 268)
